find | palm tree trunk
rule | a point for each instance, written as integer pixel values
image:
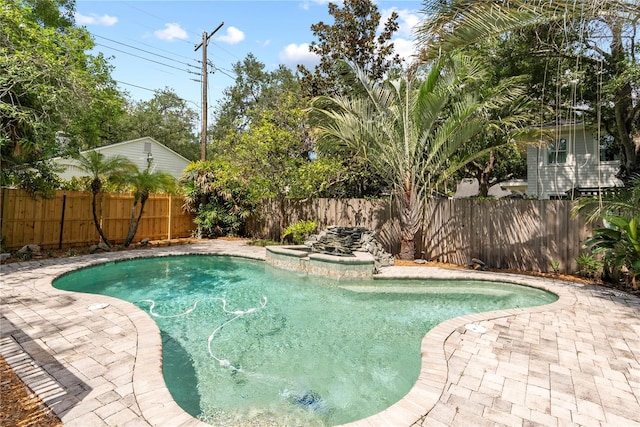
(95, 220)
(410, 221)
(134, 222)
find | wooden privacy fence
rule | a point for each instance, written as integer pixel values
(511, 234)
(66, 220)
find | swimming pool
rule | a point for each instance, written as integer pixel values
(244, 342)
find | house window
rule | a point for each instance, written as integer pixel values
(608, 149)
(558, 151)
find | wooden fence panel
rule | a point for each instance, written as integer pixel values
(182, 224)
(116, 211)
(25, 220)
(511, 234)
(78, 226)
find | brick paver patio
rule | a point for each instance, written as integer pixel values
(573, 362)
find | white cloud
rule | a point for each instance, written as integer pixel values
(294, 54)
(405, 48)
(94, 19)
(306, 5)
(233, 36)
(171, 32)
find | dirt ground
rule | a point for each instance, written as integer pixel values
(21, 408)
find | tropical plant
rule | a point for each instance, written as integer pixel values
(588, 265)
(221, 200)
(409, 129)
(144, 183)
(619, 240)
(599, 37)
(102, 169)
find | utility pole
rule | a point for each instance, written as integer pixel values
(203, 132)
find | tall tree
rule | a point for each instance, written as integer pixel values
(101, 169)
(254, 90)
(601, 40)
(410, 128)
(166, 118)
(48, 84)
(353, 37)
(143, 184)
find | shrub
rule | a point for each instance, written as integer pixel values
(588, 266)
(300, 231)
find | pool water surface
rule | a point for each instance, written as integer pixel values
(245, 343)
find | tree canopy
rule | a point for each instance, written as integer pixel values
(48, 84)
(352, 37)
(166, 118)
(581, 57)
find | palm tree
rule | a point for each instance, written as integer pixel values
(458, 24)
(100, 170)
(144, 183)
(410, 128)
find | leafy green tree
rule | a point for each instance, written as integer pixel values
(599, 38)
(166, 118)
(410, 128)
(261, 127)
(101, 169)
(48, 84)
(255, 90)
(143, 184)
(219, 196)
(353, 37)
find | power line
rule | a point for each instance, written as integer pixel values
(139, 87)
(146, 51)
(228, 51)
(154, 91)
(167, 51)
(143, 58)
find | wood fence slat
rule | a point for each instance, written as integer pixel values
(26, 220)
(518, 234)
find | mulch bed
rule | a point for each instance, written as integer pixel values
(19, 406)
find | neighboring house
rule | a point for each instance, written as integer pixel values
(141, 151)
(574, 161)
(468, 188)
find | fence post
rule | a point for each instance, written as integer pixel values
(64, 203)
(170, 215)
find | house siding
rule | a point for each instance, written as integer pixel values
(581, 169)
(164, 159)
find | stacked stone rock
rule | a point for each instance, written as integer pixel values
(344, 241)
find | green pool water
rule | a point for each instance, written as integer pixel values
(248, 344)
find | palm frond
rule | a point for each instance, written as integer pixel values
(457, 24)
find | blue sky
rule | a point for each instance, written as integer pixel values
(276, 32)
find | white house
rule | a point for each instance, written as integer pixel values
(574, 160)
(141, 151)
